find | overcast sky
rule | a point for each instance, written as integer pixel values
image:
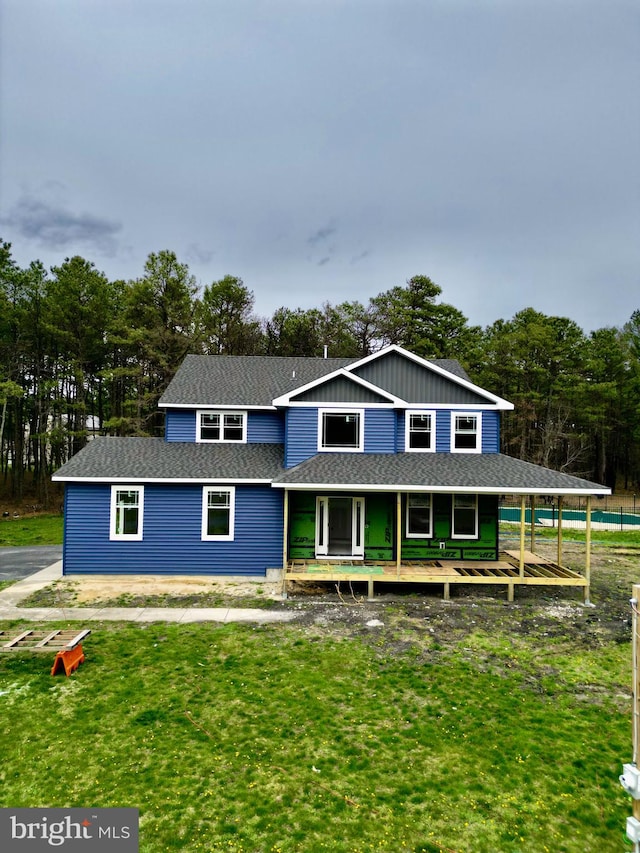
(326, 150)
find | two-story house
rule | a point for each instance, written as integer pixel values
(330, 468)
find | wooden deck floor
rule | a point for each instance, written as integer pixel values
(537, 571)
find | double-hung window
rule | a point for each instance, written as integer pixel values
(464, 522)
(218, 511)
(419, 516)
(420, 431)
(127, 506)
(221, 426)
(341, 429)
(466, 432)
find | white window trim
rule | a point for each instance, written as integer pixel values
(227, 537)
(407, 431)
(406, 526)
(330, 411)
(126, 537)
(221, 413)
(478, 417)
(455, 535)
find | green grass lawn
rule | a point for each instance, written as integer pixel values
(626, 538)
(294, 739)
(31, 530)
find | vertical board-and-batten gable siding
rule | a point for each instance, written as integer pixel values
(414, 383)
(339, 390)
(301, 439)
(172, 533)
(262, 427)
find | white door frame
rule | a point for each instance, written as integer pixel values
(357, 528)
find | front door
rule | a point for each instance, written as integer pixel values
(340, 527)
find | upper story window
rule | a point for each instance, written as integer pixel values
(420, 431)
(221, 426)
(419, 516)
(466, 432)
(127, 505)
(341, 429)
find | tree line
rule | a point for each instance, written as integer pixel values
(80, 354)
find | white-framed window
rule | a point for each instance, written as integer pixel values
(419, 516)
(341, 429)
(221, 426)
(464, 517)
(466, 432)
(420, 432)
(127, 510)
(218, 513)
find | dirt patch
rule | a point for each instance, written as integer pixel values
(415, 611)
(155, 591)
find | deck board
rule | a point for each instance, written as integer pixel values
(538, 571)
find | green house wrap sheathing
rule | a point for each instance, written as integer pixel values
(380, 529)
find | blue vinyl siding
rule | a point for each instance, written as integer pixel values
(265, 428)
(379, 431)
(172, 531)
(491, 432)
(301, 435)
(180, 425)
(400, 422)
(262, 427)
(443, 431)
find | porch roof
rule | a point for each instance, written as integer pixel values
(488, 473)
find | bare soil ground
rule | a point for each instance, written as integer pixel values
(551, 612)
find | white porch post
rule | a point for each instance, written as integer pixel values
(587, 568)
(523, 521)
(532, 500)
(559, 530)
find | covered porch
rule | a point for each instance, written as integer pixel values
(426, 519)
(513, 567)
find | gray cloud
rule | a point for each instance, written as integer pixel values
(360, 257)
(54, 227)
(321, 235)
(335, 148)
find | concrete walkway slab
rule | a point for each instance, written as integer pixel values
(13, 595)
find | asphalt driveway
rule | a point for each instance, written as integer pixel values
(18, 563)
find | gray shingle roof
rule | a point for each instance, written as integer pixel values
(243, 380)
(452, 366)
(489, 472)
(251, 380)
(110, 459)
(107, 459)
